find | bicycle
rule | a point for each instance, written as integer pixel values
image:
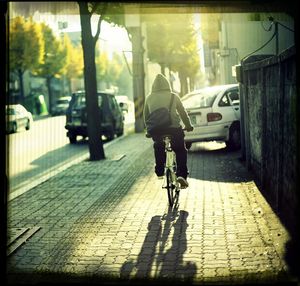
(170, 181)
(172, 186)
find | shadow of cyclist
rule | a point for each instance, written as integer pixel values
(173, 257)
(142, 267)
(168, 263)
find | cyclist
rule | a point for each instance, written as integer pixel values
(160, 96)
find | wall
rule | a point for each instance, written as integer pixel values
(239, 36)
(268, 103)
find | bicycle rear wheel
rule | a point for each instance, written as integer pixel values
(170, 188)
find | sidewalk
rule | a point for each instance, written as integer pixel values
(108, 221)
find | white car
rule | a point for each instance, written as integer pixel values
(215, 114)
(61, 105)
(17, 117)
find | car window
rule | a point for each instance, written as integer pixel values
(224, 101)
(100, 100)
(111, 103)
(79, 100)
(115, 103)
(233, 94)
(200, 100)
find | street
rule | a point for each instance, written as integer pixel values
(42, 151)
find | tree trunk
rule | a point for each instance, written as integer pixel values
(183, 84)
(69, 86)
(48, 82)
(22, 97)
(93, 113)
(170, 79)
(163, 68)
(192, 83)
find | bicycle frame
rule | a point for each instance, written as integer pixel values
(172, 185)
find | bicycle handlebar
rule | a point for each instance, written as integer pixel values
(183, 129)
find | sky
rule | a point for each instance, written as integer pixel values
(115, 38)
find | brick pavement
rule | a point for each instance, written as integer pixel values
(109, 221)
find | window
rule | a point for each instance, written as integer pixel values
(233, 95)
(224, 101)
(204, 98)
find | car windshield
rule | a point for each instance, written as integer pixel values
(201, 99)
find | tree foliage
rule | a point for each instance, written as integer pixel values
(54, 57)
(74, 59)
(172, 44)
(26, 48)
(26, 45)
(210, 28)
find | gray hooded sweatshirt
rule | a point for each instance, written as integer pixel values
(160, 96)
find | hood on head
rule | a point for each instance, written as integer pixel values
(160, 83)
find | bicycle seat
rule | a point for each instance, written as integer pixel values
(166, 135)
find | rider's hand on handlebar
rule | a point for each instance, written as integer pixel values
(189, 129)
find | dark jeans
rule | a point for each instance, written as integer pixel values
(178, 145)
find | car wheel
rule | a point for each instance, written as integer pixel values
(27, 127)
(120, 132)
(72, 138)
(110, 135)
(234, 142)
(188, 145)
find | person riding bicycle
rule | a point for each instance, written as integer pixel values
(161, 96)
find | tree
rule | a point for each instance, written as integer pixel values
(26, 48)
(159, 40)
(74, 61)
(185, 58)
(54, 61)
(172, 44)
(111, 13)
(114, 69)
(102, 63)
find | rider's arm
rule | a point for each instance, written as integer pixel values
(183, 114)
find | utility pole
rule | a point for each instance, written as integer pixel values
(138, 74)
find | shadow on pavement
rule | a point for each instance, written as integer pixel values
(218, 163)
(51, 160)
(154, 261)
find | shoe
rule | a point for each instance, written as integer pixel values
(160, 177)
(183, 182)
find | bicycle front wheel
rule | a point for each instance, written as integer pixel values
(170, 188)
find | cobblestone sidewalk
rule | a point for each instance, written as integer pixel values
(109, 221)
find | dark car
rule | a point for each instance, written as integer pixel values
(111, 116)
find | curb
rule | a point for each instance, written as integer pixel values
(30, 184)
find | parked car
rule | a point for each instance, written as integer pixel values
(215, 114)
(111, 117)
(17, 116)
(61, 105)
